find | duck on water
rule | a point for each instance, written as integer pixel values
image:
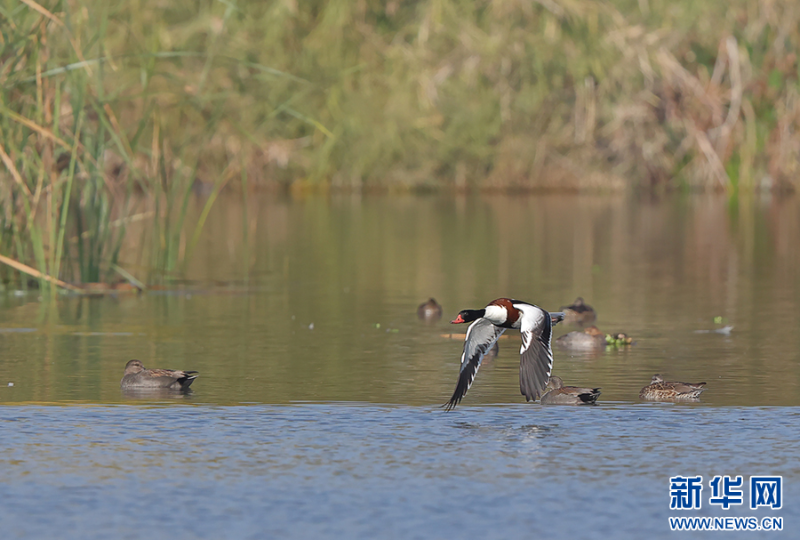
(558, 394)
(430, 311)
(579, 312)
(488, 324)
(138, 378)
(661, 390)
(591, 338)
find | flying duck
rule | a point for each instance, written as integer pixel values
(558, 394)
(137, 377)
(536, 357)
(659, 389)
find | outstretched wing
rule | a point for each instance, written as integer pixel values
(536, 356)
(481, 337)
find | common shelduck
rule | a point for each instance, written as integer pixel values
(536, 357)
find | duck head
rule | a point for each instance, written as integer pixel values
(468, 315)
(133, 366)
(576, 305)
(554, 383)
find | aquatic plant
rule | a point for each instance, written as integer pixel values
(115, 113)
(77, 172)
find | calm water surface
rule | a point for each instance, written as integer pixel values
(316, 412)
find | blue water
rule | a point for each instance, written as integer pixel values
(316, 415)
(365, 471)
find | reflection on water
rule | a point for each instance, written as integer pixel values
(320, 303)
(155, 394)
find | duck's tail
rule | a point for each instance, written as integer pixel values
(187, 379)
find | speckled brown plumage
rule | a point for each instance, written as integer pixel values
(659, 389)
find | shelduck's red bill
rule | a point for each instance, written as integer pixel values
(458, 320)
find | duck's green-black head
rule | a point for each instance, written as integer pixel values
(468, 315)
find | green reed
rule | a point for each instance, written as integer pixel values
(55, 135)
(78, 166)
(113, 113)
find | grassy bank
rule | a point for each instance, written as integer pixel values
(103, 101)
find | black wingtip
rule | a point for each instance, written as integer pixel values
(456, 398)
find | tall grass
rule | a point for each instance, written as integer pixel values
(77, 162)
(115, 111)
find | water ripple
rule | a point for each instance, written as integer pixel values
(343, 470)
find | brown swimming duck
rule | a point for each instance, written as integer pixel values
(579, 313)
(659, 389)
(558, 394)
(430, 311)
(589, 338)
(137, 377)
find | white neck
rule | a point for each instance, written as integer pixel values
(496, 314)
